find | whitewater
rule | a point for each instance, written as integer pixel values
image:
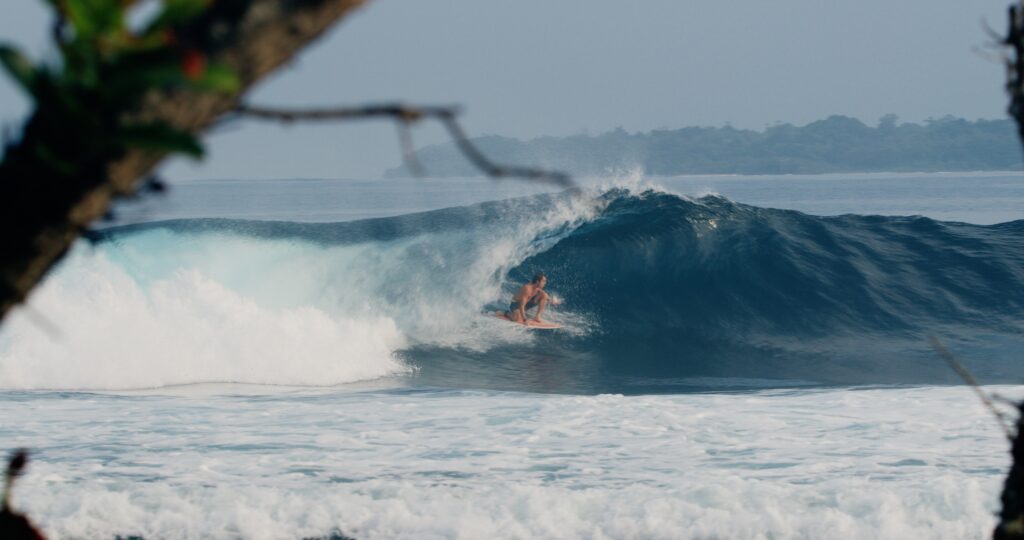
(746, 357)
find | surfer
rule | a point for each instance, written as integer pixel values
(529, 295)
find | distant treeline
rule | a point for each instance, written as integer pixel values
(836, 144)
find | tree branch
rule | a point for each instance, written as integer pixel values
(1011, 515)
(1015, 66)
(406, 114)
(969, 379)
(53, 184)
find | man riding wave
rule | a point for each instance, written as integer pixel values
(529, 296)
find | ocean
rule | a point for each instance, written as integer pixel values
(742, 357)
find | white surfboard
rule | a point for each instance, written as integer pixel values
(529, 324)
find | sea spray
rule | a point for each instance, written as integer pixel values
(276, 303)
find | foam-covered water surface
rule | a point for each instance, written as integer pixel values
(862, 463)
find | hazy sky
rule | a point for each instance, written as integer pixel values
(557, 67)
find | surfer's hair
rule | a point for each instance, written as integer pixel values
(537, 277)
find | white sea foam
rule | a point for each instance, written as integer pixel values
(880, 463)
(111, 332)
(159, 308)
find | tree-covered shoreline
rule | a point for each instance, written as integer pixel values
(836, 144)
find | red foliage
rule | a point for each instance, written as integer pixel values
(193, 64)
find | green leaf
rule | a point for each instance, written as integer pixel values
(177, 12)
(160, 137)
(19, 67)
(130, 75)
(91, 18)
(219, 78)
(79, 14)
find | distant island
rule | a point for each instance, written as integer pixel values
(836, 144)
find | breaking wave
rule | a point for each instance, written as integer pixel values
(661, 293)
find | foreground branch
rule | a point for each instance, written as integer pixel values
(53, 184)
(969, 379)
(1011, 515)
(15, 525)
(406, 114)
(1015, 66)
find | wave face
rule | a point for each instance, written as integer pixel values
(661, 293)
(710, 288)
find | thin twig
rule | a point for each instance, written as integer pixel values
(999, 398)
(475, 156)
(390, 110)
(42, 321)
(969, 379)
(992, 34)
(408, 114)
(997, 57)
(409, 150)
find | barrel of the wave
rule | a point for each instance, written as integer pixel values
(710, 288)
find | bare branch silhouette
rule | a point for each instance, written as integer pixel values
(1011, 515)
(997, 57)
(996, 37)
(1015, 66)
(409, 150)
(964, 374)
(13, 524)
(408, 114)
